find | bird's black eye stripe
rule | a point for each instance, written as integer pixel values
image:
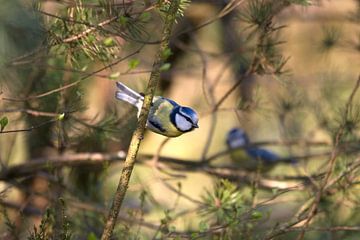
(186, 117)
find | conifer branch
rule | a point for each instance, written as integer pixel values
(139, 132)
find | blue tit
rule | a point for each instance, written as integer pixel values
(251, 157)
(166, 117)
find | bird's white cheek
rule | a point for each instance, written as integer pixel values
(182, 123)
(237, 143)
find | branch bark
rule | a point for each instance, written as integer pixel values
(139, 132)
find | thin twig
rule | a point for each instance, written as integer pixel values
(73, 83)
(330, 168)
(29, 129)
(31, 112)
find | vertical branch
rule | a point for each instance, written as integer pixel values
(210, 99)
(139, 132)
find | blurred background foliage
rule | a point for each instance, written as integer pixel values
(282, 70)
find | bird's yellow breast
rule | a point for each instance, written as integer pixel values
(243, 161)
(160, 114)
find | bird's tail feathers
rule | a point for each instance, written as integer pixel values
(128, 95)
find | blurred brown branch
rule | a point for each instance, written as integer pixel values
(81, 159)
(69, 3)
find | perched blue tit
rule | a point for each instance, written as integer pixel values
(166, 117)
(251, 157)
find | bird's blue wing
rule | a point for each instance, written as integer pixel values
(155, 124)
(262, 155)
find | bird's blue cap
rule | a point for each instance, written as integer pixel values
(191, 114)
(237, 137)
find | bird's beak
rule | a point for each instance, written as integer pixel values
(195, 125)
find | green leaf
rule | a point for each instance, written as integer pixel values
(123, 20)
(3, 122)
(256, 215)
(79, 94)
(109, 42)
(145, 16)
(203, 226)
(301, 2)
(166, 53)
(165, 67)
(114, 75)
(172, 228)
(194, 235)
(133, 63)
(92, 236)
(91, 38)
(61, 116)
(84, 68)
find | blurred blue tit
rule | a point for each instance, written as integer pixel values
(166, 117)
(250, 156)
